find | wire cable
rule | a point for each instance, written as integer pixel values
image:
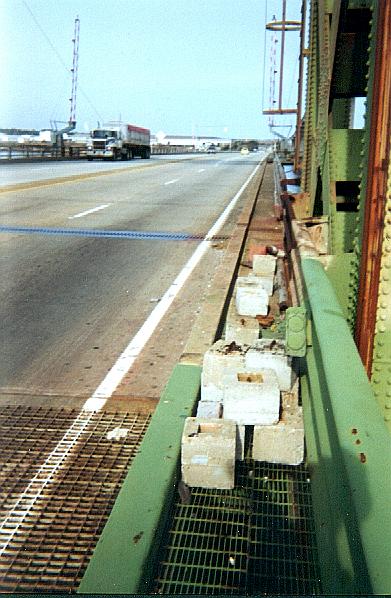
(56, 52)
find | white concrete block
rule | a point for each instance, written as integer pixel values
(211, 393)
(252, 398)
(252, 300)
(267, 353)
(267, 282)
(221, 359)
(282, 442)
(244, 330)
(264, 265)
(208, 453)
(209, 409)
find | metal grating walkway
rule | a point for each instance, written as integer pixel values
(256, 539)
(59, 477)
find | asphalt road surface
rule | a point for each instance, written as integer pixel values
(85, 262)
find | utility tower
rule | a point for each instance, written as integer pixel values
(74, 71)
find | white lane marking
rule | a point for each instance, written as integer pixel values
(202, 170)
(136, 345)
(41, 168)
(171, 182)
(102, 207)
(65, 447)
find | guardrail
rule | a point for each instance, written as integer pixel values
(10, 151)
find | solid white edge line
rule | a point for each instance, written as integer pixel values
(138, 342)
(102, 207)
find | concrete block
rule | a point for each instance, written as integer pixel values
(283, 442)
(251, 299)
(208, 453)
(268, 353)
(209, 409)
(267, 282)
(264, 265)
(221, 359)
(244, 330)
(252, 398)
(211, 393)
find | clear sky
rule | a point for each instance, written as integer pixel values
(178, 66)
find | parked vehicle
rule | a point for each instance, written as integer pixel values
(119, 141)
(244, 151)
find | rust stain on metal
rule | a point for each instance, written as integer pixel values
(137, 537)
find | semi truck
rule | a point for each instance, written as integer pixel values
(119, 141)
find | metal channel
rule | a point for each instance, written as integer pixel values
(256, 539)
(49, 538)
(111, 234)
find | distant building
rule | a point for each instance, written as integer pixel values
(197, 142)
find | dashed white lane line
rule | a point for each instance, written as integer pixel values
(102, 207)
(202, 170)
(171, 182)
(40, 169)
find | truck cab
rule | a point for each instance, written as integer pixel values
(121, 141)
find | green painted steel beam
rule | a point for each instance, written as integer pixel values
(345, 154)
(330, 498)
(124, 558)
(359, 442)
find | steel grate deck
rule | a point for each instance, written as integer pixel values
(59, 477)
(256, 539)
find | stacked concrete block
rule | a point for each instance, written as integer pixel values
(251, 297)
(267, 282)
(283, 442)
(264, 268)
(209, 453)
(252, 398)
(221, 359)
(209, 409)
(244, 330)
(264, 265)
(267, 353)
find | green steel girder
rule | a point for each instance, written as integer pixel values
(311, 102)
(124, 557)
(336, 268)
(381, 363)
(352, 4)
(348, 450)
(345, 154)
(344, 166)
(357, 243)
(349, 69)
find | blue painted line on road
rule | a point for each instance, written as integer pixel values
(111, 234)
